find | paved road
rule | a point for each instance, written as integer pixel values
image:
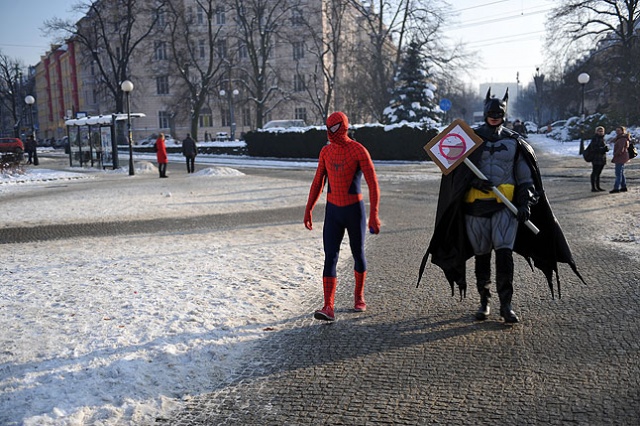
(418, 357)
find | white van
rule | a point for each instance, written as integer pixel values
(284, 124)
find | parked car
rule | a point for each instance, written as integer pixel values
(284, 124)
(552, 126)
(61, 143)
(222, 137)
(11, 145)
(531, 127)
(11, 152)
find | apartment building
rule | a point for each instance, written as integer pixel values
(232, 66)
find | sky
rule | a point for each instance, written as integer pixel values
(508, 35)
(103, 330)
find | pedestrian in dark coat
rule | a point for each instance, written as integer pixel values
(599, 149)
(161, 154)
(190, 150)
(31, 149)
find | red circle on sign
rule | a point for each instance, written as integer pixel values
(454, 145)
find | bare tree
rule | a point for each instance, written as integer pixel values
(329, 48)
(11, 92)
(110, 31)
(200, 53)
(259, 23)
(390, 25)
(601, 33)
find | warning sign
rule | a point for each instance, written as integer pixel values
(451, 146)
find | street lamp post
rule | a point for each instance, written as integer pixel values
(30, 100)
(232, 119)
(127, 87)
(583, 79)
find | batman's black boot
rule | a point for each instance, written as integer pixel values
(594, 187)
(504, 282)
(483, 282)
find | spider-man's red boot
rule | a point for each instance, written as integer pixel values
(358, 294)
(326, 313)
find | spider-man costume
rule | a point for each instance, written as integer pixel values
(342, 163)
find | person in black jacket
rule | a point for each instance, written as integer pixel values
(599, 157)
(189, 150)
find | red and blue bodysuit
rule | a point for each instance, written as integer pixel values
(341, 165)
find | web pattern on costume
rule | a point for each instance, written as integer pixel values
(342, 166)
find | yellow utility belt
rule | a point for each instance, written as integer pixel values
(475, 194)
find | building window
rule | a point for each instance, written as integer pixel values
(201, 49)
(301, 114)
(220, 16)
(243, 52)
(160, 50)
(162, 21)
(164, 119)
(162, 85)
(246, 116)
(205, 119)
(226, 117)
(298, 50)
(299, 83)
(297, 18)
(200, 15)
(221, 48)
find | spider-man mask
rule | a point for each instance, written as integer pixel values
(337, 125)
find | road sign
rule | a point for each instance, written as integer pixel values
(451, 146)
(445, 104)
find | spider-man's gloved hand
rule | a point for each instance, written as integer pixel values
(307, 219)
(374, 223)
(483, 185)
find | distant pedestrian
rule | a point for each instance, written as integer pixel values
(161, 154)
(599, 149)
(190, 150)
(520, 128)
(620, 158)
(30, 147)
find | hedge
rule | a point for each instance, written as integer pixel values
(403, 143)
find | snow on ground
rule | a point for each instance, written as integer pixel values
(104, 330)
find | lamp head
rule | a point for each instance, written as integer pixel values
(30, 100)
(126, 86)
(584, 78)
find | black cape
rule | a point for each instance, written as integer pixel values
(450, 247)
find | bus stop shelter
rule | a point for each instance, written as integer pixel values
(94, 140)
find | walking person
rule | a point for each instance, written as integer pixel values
(189, 150)
(620, 158)
(31, 149)
(472, 221)
(161, 154)
(341, 165)
(599, 149)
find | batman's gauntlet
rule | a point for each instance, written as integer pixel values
(525, 198)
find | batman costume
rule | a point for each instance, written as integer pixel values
(471, 220)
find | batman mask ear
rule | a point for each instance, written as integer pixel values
(488, 97)
(506, 96)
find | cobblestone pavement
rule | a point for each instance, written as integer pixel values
(418, 357)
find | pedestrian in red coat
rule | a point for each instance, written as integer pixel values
(161, 153)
